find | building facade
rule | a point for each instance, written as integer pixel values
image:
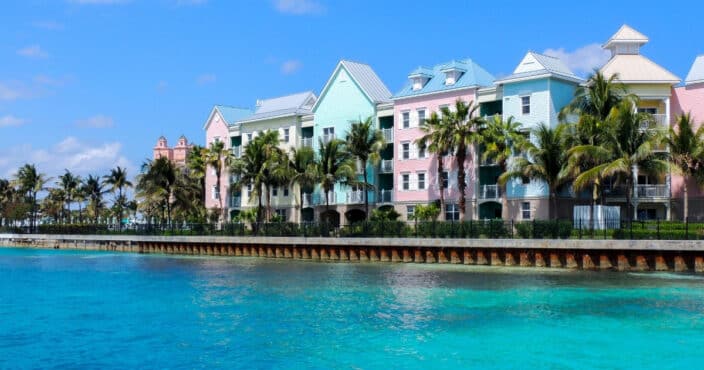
(177, 154)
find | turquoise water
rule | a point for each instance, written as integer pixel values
(68, 309)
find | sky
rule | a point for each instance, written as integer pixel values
(91, 84)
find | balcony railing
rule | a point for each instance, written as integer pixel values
(491, 116)
(355, 197)
(319, 198)
(661, 120)
(489, 192)
(388, 134)
(237, 151)
(328, 138)
(387, 166)
(307, 142)
(386, 196)
(652, 191)
(235, 202)
(307, 200)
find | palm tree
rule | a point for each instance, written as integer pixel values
(68, 183)
(274, 171)
(117, 179)
(436, 139)
(6, 197)
(156, 185)
(30, 182)
(94, 189)
(365, 143)
(464, 123)
(597, 97)
(80, 196)
(627, 146)
(303, 171)
(545, 160)
(686, 151)
(335, 165)
(195, 163)
(218, 157)
(53, 204)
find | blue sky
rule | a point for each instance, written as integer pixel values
(90, 84)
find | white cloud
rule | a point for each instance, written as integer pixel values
(33, 51)
(48, 25)
(70, 153)
(10, 120)
(299, 7)
(206, 78)
(291, 66)
(582, 60)
(11, 91)
(98, 121)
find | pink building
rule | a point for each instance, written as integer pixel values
(689, 98)
(416, 170)
(177, 154)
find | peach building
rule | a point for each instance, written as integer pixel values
(177, 154)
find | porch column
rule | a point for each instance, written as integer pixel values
(634, 198)
(667, 112)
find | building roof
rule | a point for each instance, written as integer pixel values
(232, 114)
(294, 104)
(536, 65)
(635, 68)
(696, 73)
(474, 76)
(626, 34)
(365, 77)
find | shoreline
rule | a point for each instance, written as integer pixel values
(617, 255)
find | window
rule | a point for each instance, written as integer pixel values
(275, 191)
(421, 116)
(440, 109)
(422, 151)
(525, 210)
(214, 193)
(406, 119)
(410, 212)
(421, 180)
(452, 212)
(525, 104)
(525, 180)
(648, 110)
(249, 136)
(281, 212)
(406, 181)
(249, 190)
(445, 178)
(406, 150)
(286, 191)
(286, 132)
(328, 134)
(216, 139)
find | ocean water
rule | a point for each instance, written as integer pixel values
(72, 309)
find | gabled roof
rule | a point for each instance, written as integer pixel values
(696, 73)
(229, 114)
(635, 68)
(626, 34)
(365, 77)
(534, 65)
(474, 76)
(294, 104)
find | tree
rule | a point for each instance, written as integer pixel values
(596, 98)
(335, 165)
(686, 152)
(53, 204)
(365, 143)
(94, 190)
(627, 146)
(195, 163)
(30, 182)
(156, 186)
(117, 180)
(545, 160)
(436, 139)
(303, 171)
(68, 183)
(218, 158)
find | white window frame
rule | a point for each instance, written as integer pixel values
(410, 212)
(250, 137)
(425, 116)
(405, 154)
(281, 212)
(405, 181)
(406, 119)
(526, 211)
(424, 182)
(274, 191)
(286, 135)
(524, 105)
(422, 151)
(214, 193)
(452, 209)
(285, 191)
(441, 177)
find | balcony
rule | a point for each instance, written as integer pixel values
(489, 192)
(307, 142)
(307, 200)
(328, 138)
(387, 166)
(661, 120)
(488, 117)
(388, 134)
(235, 202)
(237, 151)
(319, 198)
(386, 196)
(652, 191)
(355, 197)
(234, 179)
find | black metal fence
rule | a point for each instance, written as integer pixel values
(487, 229)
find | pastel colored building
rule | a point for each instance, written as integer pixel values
(415, 170)
(353, 92)
(533, 94)
(653, 85)
(689, 99)
(176, 154)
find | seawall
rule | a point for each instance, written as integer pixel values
(620, 255)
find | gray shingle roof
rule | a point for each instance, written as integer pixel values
(368, 81)
(551, 66)
(282, 106)
(696, 73)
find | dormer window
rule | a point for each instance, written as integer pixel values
(452, 76)
(419, 82)
(419, 78)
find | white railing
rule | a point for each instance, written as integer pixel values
(488, 117)
(328, 138)
(319, 198)
(355, 197)
(235, 202)
(652, 191)
(489, 192)
(307, 200)
(358, 167)
(237, 151)
(307, 142)
(661, 120)
(388, 134)
(386, 196)
(387, 166)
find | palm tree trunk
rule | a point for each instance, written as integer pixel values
(259, 206)
(461, 176)
(441, 186)
(327, 205)
(553, 204)
(366, 198)
(685, 192)
(268, 203)
(217, 186)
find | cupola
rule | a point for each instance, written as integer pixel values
(626, 41)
